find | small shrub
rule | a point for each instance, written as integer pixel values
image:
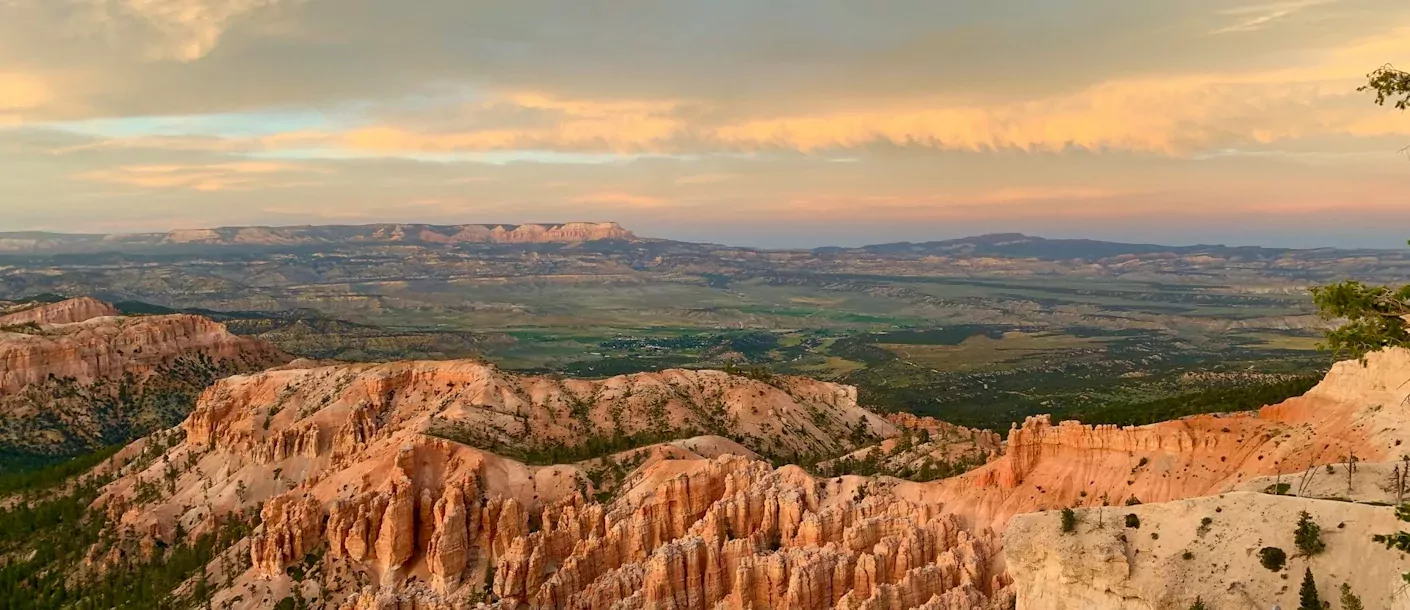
(1155, 536)
(1133, 501)
(1198, 605)
(1308, 536)
(1272, 558)
(1133, 522)
(1187, 556)
(1069, 521)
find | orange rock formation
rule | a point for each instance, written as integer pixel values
(340, 460)
(64, 312)
(108, 347)
(63, 368)
(1356, 410)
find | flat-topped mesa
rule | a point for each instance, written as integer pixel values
(389, 233)
(69, 311)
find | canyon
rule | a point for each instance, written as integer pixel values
(365, 503)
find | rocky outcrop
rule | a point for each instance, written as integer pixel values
(344, 463)
(1356, 411)
(70, 311)
(983, 441)
(292, 529)
(482, 406)
(736, 532)
(341, 462)
(59, 379)
(109, 347)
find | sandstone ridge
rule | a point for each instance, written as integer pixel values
(60, 364)
(1361, 411)
(69, 311)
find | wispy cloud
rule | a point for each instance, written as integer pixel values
(207, 177)
(186, 30)
(1259, 16)
(619, 199)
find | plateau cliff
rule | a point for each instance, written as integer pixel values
(417, 234)
(74, 375)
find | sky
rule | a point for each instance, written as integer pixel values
(777, 123)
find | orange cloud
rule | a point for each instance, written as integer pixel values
(207, 177)
(21, 93)
(619, 199)
(705, 178)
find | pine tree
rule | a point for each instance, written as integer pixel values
(1308, 535)
(1349, 600)
(1308, 593)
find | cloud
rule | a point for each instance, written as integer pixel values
(704, 179)
(179, 30)
(619, 199)
(209, 177)
(1259, 16)
(21, 93)
(678, 111)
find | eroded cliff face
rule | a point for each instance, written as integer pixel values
(109, 347)
(62, 366)
(64, 312)
(1356, 410)
(737, 533)
(338, 462)
(364, 508)
(479, 405)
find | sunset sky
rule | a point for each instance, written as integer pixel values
(754, 122)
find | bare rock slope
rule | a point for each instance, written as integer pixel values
(1361, 411)
(1165, 555)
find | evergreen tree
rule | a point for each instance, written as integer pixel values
(1308, 535)
(1069, 521)
(1308, 593)
(1349, 600)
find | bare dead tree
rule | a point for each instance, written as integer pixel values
(1350, 470)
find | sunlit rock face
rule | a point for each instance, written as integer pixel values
(347, 470)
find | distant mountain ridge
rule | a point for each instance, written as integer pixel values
(415, 234)
(610, 238)
(1019, 245)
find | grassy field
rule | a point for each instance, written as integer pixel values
(1011, 350)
